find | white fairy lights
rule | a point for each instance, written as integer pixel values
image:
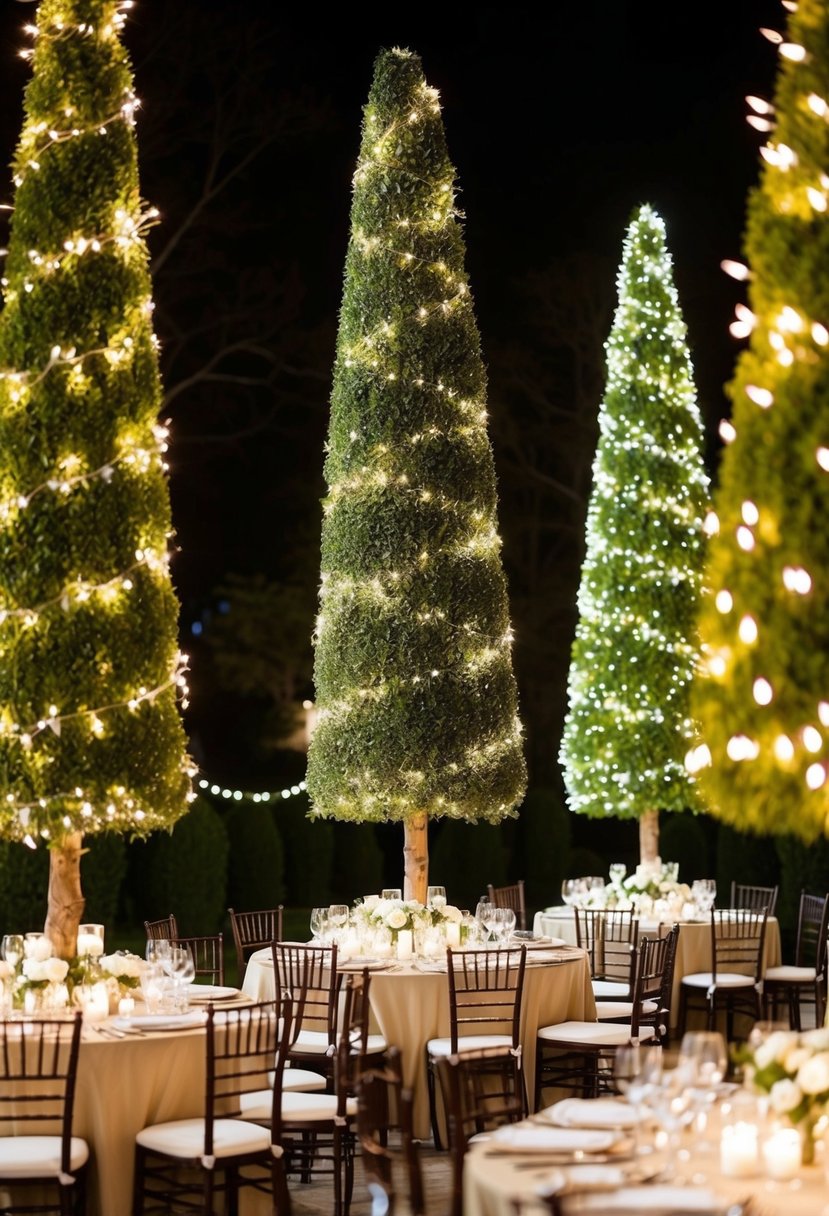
(36, 811)
(762, 688)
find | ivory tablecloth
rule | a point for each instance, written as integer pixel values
(410, 1007)
(693, 952)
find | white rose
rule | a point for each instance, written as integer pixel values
(55, 970)
(396, 919)
(775, 1047)
(34, 969)
(450, 912)
(813, 1077)
(796, 1058)
(818, 1039)
(38, 948)
(785, 1096)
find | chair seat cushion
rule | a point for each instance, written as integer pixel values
(302, 1080)
(790, 975)
(38, 1156)
(308, 1108)
(469, 1042)
(591, 1034)
(312, 1042)
(616, 1010)
(725, 979)
(184, 1138)
(610, 990)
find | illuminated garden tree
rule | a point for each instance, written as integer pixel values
(91, 738)
(628, 726)
(763, 700)
(413, 667)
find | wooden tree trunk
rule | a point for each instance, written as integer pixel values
(66, 901)
(416, 857)
(649, 836)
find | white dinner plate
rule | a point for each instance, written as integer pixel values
(203, 993)
(162, 1021)
(421, 964)
(364, 964)
(592, 1112)
(538, 957)
(653, 1198)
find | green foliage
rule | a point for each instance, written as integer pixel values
(185, 872)
(465, 858)
(358, 861)
(543, 846)
(256, 862)
(24, 876)
(309, 853)
(104, 869)
(802, 868)
(745, 858)
(762, 702)
(91, 736)
(627, 728)
(413, 668)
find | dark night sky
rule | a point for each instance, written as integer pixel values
(560, 119)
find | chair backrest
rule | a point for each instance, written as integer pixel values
(241, 1046)
(655, 962)
(482, 1090)
(737, 936)
(610, 937)
(253, 931)
(309, 972)
(40, 1057)
(812, 926)
(389, 1151)
(161, 930)
(485, 991)
(744, 895)
(511, 896)
(208, 955)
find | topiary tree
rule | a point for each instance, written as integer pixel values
(90, 735)
(628, 724)
(413, 669)
(763, 699)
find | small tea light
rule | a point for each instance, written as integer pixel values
(781, 1153)
(371, 901)
(739, 1155)
(405, 944)
(126, 1006)
(453, 933)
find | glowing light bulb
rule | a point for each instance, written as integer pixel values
(815, 776)
(816, 197)
(759, 105)
(717, 666)
(745, 538)
(750, 514)
(711, 524)
(820, 333)
(724, 601)
(747, 630)
(812, 739)
(737, 270)
(727, 431)
(784, 748)
(698, 758)
(740, 747)
(796, 579)
(822, 457)
(793, 51)
(760, 396)
(823, 712)
(762, 691)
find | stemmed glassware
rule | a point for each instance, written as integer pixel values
(319, 924)
(337, 917)
(13, 948)
(436, 897)
(705, 1055)
(182, 972)
(671, 1100)
(505, 924)
(704, 893)
(391, 893)
(637, 1068)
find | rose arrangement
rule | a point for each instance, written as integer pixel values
(793, 1069)
(650, 883)
(397, 914)
(54, 980)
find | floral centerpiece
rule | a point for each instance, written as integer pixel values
(792, 1068)
(40, 980)
(652, 889)
(373, 913)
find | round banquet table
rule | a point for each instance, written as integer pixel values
(693, 951)
(122, 1086)
(493, 1184)
(409, 1006)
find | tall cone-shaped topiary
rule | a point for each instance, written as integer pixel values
(628, 725)
(91, 739)
(762, 698)
(413, 667)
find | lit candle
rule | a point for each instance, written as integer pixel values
(405, 944)
(453, 933)
(781, 1153)
(738, 1150)
(371, 901)
(126, 1006)
(90, 945)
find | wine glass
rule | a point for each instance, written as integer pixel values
(481, 909)
(13, 948)
(506, 924)
(391, 893)
(637, 1067)
(157, 949)
(491, 920)
(436, 897)
(319, 923)
(183, 972)
(337, 916)
(706, 1055)
(671, 1101)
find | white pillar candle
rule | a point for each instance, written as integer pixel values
(781, 1153)
(126, 1006)
(739, 1150)
(405, 944)
(453, 934)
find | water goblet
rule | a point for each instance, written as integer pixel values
(13, 948)
(319, 924)
(337, 918)
(183, 972)
(436, 897)
(506, 923)
(637, 1067)
(617, 871)
(671, 1101)
(481, 909)
(705, 1054)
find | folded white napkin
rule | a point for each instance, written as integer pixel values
(662, 1199)
(592, 1112)
(557, 1139)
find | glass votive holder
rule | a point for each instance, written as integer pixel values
(782, 1153)
(90, 940)
(740, 1119)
